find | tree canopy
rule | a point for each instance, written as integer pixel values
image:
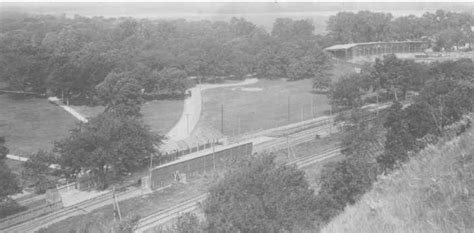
(70, 57)
(260, 196)
(446, 29)
(107, 147)
(8, 180)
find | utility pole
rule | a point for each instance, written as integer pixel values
(312, 107)
(288, 108)
(116, 206)
(222, 118)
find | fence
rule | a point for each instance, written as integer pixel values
(176, 154)
(198, 162)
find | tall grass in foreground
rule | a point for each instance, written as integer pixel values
(434, 192)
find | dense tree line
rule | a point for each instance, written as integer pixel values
(444, 29)
(70, 57)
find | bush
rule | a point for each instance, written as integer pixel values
(188, 223)
(10, 207)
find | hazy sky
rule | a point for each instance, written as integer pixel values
(145, 9)
(262, 14)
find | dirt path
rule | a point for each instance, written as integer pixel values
(68, 109)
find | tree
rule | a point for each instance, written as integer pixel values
(3, 149)
(398, 141)
(9, 185)
(364, 26)
(8, 180)
(173, 81)
(313, 64)
(260, 196)
(347, 92)
(241, 27)
(37, 170)
(419, 120)
(121, 94)
(342, 183)
(107, 147)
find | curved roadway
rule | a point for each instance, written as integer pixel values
(192, 111)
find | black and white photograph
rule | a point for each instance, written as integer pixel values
(236, 117)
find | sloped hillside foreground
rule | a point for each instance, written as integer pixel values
(434, 192)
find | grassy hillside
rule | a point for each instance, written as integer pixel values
(434, 192)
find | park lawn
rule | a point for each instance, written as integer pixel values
(160, 115)
(31, 124)
(258, 110)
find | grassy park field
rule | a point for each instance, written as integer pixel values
(31, 124)
(265, 104)
(261, 105)
(160, 115)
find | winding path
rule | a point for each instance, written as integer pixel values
(192, 109)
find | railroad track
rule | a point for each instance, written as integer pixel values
(169, 213)
(189, 205)
(43, 221)
(307, 133)
(293, 140)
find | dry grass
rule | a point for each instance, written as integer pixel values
(434, 192)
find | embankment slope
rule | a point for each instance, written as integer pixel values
(434, 192)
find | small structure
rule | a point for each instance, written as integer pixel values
(350, 51)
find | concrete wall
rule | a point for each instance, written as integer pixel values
(164, 175)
